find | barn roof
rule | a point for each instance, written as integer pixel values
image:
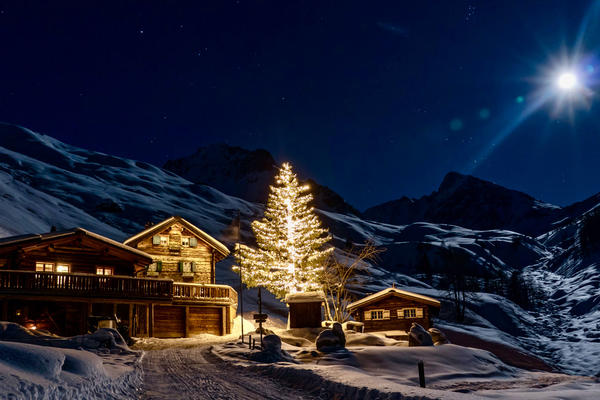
(305, 297)
(154, 229)
(393, 292)
(25, 240)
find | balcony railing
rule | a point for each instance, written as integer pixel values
(115, 287)
(204, 293)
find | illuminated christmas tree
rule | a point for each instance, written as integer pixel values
(290, 255)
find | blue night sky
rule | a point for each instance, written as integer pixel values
(375, 101)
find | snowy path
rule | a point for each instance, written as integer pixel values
(196, 374)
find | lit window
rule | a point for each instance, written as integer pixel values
(63, 268)
(410, 313)
(185, 241)
(105, 271)
(44, 267)
(164, 240)
(377, 314)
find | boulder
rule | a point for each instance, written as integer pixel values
(438, 336)
(271, 351)
(418, 336)
(331, 339)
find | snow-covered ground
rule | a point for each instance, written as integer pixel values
(36, 366)
(44, 182)
(452, 372)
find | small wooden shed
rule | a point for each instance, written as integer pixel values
(394, 309)
(305, 309)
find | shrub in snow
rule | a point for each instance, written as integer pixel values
(438, 336)
(418, 336)
(331, 339)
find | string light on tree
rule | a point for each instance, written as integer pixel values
(290, 253)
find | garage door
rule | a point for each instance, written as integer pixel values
(205, 320)
(169, 322)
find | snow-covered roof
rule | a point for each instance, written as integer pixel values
(305, 297)
(34, 238)
(393, 291)
(211, 241)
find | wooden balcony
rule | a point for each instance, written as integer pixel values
(204, 293)
(51, 284)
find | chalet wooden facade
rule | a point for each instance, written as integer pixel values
(394, 310)
(184, 253)
(55, 281)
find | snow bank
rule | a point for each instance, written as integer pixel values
(452, 372)
(38, 366)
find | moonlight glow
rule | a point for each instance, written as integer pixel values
(567, 81)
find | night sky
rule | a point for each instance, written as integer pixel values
(376, 102)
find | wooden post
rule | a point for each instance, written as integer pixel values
(253, 344)
(130, 321)
(187, 321)
(250, 342)
(223, 321)
(147, 307)
(151, 332)
(421, 374)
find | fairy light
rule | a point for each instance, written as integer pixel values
(289, 256)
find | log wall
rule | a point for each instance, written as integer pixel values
(396, 322)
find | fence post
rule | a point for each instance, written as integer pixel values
(421, 374)
(253, 344)
(250, 342)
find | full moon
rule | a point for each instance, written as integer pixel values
(567, 81)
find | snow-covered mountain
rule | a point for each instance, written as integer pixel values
(246, 174)
(44, 183)
(478, 204)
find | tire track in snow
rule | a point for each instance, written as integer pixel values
(193, 374)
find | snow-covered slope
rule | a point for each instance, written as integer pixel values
(44, 182)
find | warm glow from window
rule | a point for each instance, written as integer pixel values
(185, 241)
(63, 268)
(164, 240)
(45, 267)
(105, 271)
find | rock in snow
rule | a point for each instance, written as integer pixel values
(438, 336)
(418, 336)
(271, 351)
(331, 339)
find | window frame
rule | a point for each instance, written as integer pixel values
(52, 267)
(103, 270)
(379, 315)
(187, 239)
(164, 240)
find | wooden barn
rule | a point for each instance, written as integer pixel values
(305, 309)
(184, 253)
(56, 281)
(394, 310)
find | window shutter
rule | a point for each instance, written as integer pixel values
(180, 263)
(367, 315)
(193, 242)
(419, 312)
(156, 239)
(386, 314)
(159, 265)
(193, 266)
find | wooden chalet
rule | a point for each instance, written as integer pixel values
(55, 281)
(187, 255)
(394, 309)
